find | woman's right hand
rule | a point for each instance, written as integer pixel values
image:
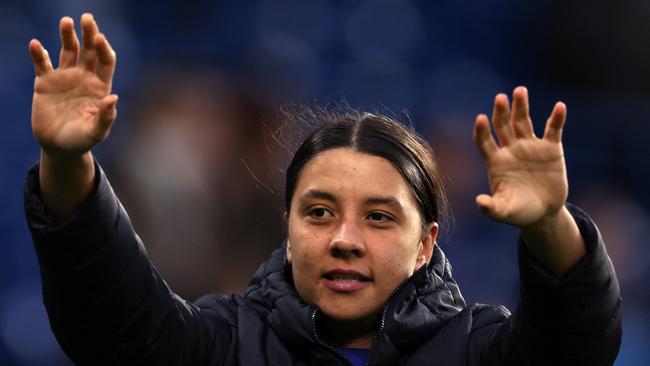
(72, 108)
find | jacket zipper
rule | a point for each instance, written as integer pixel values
(382, 322)
(384, 312)
(323, 344)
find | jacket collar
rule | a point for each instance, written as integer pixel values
(414, 313)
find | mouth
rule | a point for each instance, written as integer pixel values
(345, 275)
(345, 281)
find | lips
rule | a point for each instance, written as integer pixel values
(345, 281)
(342, 274)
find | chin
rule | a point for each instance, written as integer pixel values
(349, 313)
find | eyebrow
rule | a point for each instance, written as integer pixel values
(314, 193)
(385, 200)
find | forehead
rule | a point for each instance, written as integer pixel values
(349, 174)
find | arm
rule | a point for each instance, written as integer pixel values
(569, 306)
(571, 320)
(72, 110)
(106, 302)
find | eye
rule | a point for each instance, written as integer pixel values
(379, 217)
(320, 213)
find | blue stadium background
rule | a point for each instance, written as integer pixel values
(189, 154)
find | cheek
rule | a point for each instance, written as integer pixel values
(398, 267)
(400, 262)
(308, 244)
(304, 264)
(305, 276)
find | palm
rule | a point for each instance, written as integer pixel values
(526, 180)
(65, 109)
(72, 109)
(527, 174)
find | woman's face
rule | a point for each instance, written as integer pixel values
(355, 233)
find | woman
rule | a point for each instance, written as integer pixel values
(360, 279)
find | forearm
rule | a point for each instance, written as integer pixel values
(570, 320)
(555, 241)
(578, 314)
(65, 182)
(106, 302)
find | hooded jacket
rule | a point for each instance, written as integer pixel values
(108, 305)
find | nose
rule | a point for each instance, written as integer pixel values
(347, 241)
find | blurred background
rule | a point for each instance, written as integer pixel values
(197, 159)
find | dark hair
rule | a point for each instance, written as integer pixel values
(379, 136)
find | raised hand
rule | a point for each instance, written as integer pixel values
(72, 108)
(527, 174)
(528, 180)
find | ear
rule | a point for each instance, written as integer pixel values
(427, 243)
(288, 251)
(286, 225)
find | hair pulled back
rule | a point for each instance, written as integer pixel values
(383, 137)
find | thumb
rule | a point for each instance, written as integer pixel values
(485, 203)
(108, 111)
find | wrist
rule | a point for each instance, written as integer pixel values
(547, 222)
(66, 180)
(555, 240)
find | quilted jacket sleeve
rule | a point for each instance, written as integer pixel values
(106, 302)
(572, 320)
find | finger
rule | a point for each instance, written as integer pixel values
(491, 207)
(501, 120)
(483, 138)
(106, 57)
(88, 30)
(40, 58)
(485, 203)
(107, 115)
(555, 123)
(69, 44)
(520, 113)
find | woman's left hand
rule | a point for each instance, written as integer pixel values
(527, 174)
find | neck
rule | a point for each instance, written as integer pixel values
(348, 333)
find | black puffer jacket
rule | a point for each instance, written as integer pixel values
(108, 306)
